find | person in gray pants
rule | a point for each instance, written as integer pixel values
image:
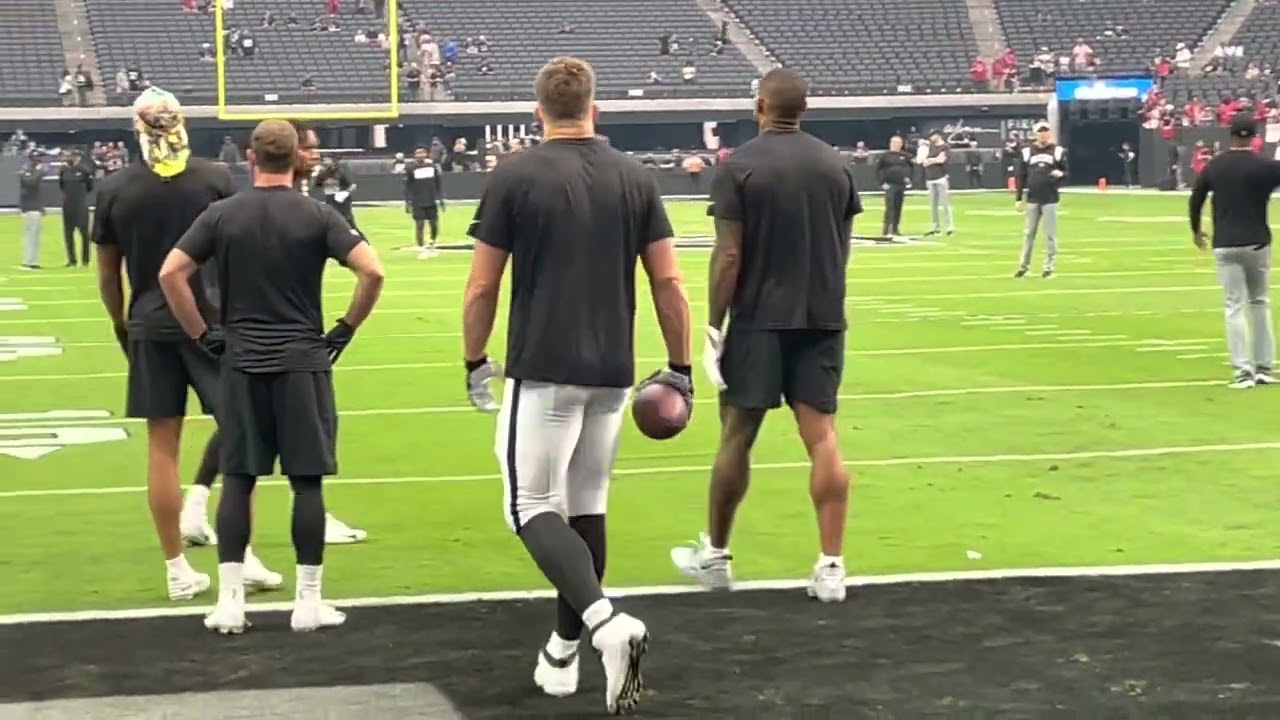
(937, 178)
(32, 210)
(1041, 169)
(1241, 182)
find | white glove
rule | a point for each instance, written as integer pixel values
(1056, 174)
(341, 196)
(712, 349)
(478, 391)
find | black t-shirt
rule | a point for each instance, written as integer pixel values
(796, 200)
(575, 216)
(939, 171)
(1241, 182)
(145, 215)
(893, 167)
(422, 184)
(270, 246)
(76, 182)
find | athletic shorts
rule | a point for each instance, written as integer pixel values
(426, 213)
(160, 371)
(290, 416)
(763, 367)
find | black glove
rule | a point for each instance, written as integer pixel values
(678, 377)
(337, 339)
(122, 337)
(212, 342)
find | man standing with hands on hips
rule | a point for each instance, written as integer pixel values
(1241, 182)
(1041, 170)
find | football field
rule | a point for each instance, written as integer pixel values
(1080, 420)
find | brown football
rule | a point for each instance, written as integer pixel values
(659, 411)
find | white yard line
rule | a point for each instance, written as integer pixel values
(82, 418)
(852, 353)
(1059, 332)
(675, 469)
(1096, 571)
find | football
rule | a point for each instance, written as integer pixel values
(659, 411)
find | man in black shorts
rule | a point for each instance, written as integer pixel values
(140, 213)
(783, 205)
(271, 245)
(195, 512)
(571, 205)
(423, 198)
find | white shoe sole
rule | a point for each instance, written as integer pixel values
(270, 581)
(721, 580)
(223, 627)
(834, 596)
(632, 683)
(311, 624)
(347, 538)
(554, 681)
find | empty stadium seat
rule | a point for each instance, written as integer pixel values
(1153, 27)
(867, 47)
(31, 57)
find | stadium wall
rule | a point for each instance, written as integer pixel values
(386, 187)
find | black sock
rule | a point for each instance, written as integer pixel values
(563, 557)
(308, 519)
(208, 470)
(591, 529)
(233, 517)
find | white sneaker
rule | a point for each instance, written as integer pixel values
(711, 568)
(258, 577)
(312, 614)
(1242, 381)
(227, 617)
(337, 532)
(186, 584)
(428, 252)
(827, 583)
(557, 677)
(1264, 377)
(622, 642)
(196, 530)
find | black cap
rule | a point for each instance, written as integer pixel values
(1243, 125)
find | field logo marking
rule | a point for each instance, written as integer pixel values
(16, 348)
(9, 303)
(33, 443)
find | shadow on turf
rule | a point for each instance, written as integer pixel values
(1152, 646)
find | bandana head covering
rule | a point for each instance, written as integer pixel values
(162, 132)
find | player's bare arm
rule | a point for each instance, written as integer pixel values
(363, 262)
(726, 263)
(175, 282)
(480, 300)
(111, 288)
(669, 299)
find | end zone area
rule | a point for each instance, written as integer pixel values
(1126, 641)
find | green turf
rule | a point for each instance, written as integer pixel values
(1127, 281)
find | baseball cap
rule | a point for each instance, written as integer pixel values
(1042, 126)
(1243, 125)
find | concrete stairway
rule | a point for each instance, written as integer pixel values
(741, 38)
(77, 45)
(1227, 26)
(986, 27)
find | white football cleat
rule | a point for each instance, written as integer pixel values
(622, 642)
(312, 614)
(194, 525)
(258, 577)
(186, 584)
(1242, 381)
(711, 568)
(557, 677)
(337, 532)
(227, 617)
(827, 583)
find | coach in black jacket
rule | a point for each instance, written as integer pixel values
(893, 169)
(1041, 170)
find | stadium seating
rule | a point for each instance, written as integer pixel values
(1152, 27)
(1260, 35)
(618, 37)
(31, 58)
(867, 47)
(1213, 88)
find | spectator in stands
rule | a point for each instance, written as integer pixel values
(717, 48)
(207, 52)
(565, 28)
(308, 84)
(1253, 72)
(364, 7)
(333, 7)
(135, 80)
(428, 52)
(653, 78)
(248, 44)
(291, 20)
(470, 48)
(189, 5)
(1004, 70)
(1083, 58)
(664, 43)
(413, 79)
(1193, 113)
(1227, 110)
(980, 75)
(231, 41)
(449, 51)
(688, 72)
(1160, 68)
(482, 45)
(1182, 56)
(268, 20)
(485, 67)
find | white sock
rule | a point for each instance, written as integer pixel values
(599, 611)
(559, 648)
(309, 577)
(198, 497)
(231, 581)
(714, 551)
(825, 560)
(178, 565)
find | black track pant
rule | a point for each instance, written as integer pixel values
(75, 219)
